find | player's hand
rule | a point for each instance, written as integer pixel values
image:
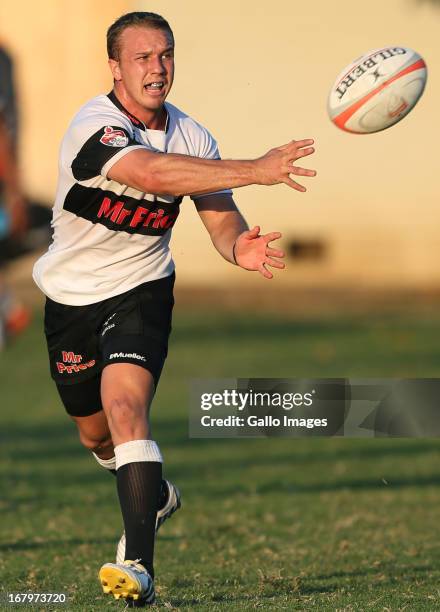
(279, 163)
(252, 252)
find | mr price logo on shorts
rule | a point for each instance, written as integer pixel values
(74, 363)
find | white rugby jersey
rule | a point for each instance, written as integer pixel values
(107, 237)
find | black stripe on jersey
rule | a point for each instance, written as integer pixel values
(122, 213)
(135, 121)
(98, 149)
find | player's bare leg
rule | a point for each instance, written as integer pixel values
(126, 392)
(94, 434)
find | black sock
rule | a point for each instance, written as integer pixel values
(163, 497)
(139, 487)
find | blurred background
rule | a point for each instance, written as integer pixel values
(256, 79)
(288, 524)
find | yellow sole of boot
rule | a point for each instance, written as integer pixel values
(117, 583)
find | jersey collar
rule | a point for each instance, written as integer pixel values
(134, 120)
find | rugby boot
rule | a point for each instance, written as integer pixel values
(128, 580)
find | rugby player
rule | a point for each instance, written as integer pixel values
(126, 162)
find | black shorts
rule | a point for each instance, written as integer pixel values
(132, 327)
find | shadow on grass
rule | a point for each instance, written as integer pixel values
(295, 588)
(349, 485)
(49, 543)
(276, 487)
(256, 600)
(60, 440)
(202, 327)
(51, 450)
(393, 570)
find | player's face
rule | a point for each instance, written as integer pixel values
(146, 66)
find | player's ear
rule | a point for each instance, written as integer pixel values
(114, 67)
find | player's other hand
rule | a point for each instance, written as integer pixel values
(279, 163)
(252, 252)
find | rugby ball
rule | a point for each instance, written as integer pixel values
(377, 90)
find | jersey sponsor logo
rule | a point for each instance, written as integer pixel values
(140, 216)
(114, 137)
(121, 212)
(127, 356)
(74, 363)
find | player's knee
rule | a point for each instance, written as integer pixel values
(125, 413)
(96, 443)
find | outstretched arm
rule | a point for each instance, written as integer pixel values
(232, 238)
(174, 174)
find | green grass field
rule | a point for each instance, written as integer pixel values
(316, 524)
